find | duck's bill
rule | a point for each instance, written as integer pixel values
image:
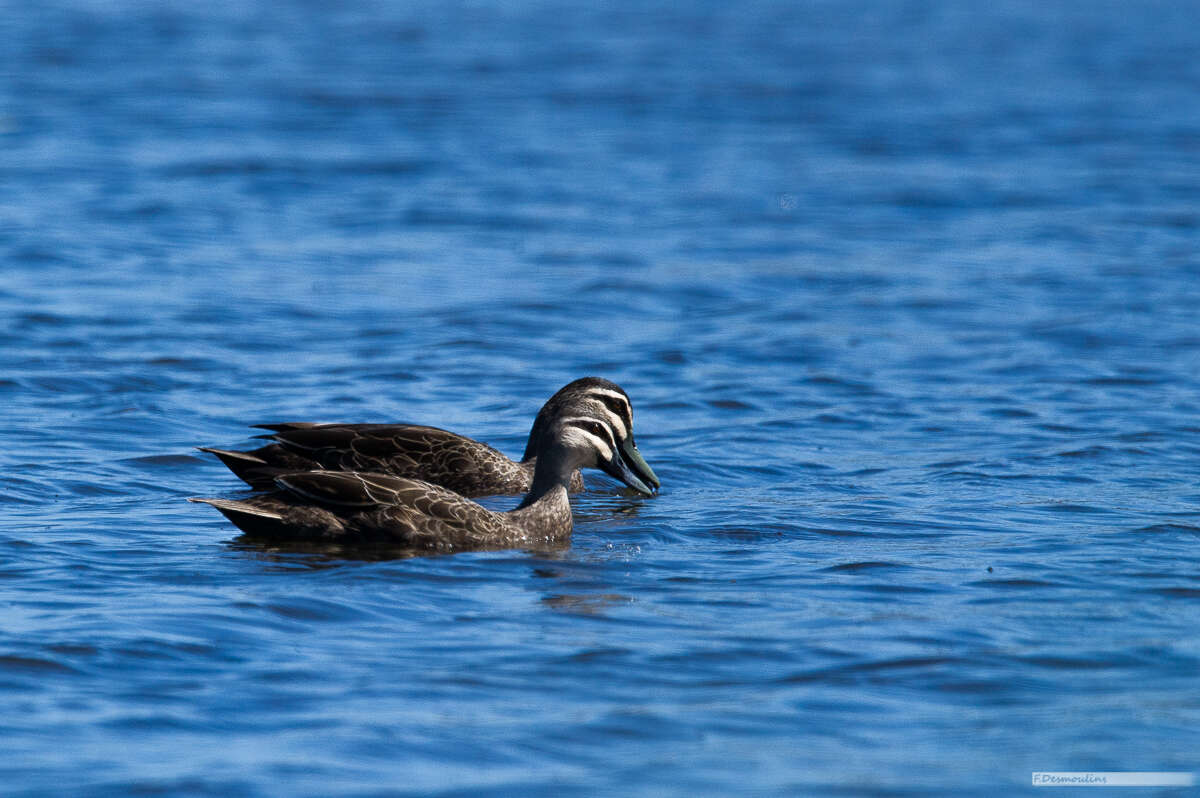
(617, 467)
(633, 458)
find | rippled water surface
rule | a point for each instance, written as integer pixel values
(906, 296)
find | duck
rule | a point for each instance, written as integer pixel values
(430, 454)
(352, 507)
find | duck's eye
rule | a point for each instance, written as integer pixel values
(600, 431)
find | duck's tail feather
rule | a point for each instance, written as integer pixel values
(252, 470)
(287, 425)
(252, 520)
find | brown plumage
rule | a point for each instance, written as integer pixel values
(354, 507)
(461, 464)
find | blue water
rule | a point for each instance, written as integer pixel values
(906, 296)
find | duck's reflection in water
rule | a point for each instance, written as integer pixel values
(595, 604)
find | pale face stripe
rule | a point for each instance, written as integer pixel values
(605, 447)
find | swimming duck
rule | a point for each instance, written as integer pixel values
(355, 507)
(461, 464)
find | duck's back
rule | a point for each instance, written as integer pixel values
(463, 465)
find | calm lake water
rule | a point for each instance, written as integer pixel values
(906, 296)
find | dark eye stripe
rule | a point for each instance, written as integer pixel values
(601, 431)
(619, 408)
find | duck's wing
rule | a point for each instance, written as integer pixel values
(350, 489)
(464, 465)
(410, 511)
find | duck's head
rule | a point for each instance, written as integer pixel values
(607, 403)
(588, 441)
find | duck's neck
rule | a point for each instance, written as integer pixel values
(553, 469)
(546, 510)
